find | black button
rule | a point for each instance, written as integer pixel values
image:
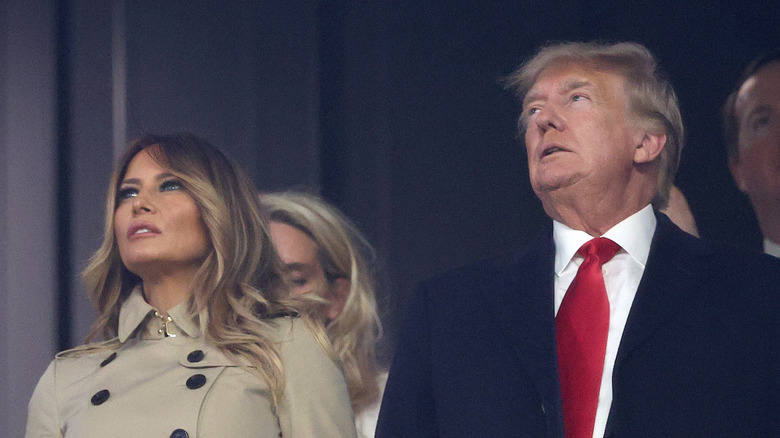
(180, 433)
(108, 359)
(196, 356)
(196, 381)
(100, 397)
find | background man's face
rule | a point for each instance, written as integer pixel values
(756, 169)
(579, 134)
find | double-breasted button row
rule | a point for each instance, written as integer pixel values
(194, 382)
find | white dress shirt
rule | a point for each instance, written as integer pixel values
(621, 278)
(366, 419)
(771, 248)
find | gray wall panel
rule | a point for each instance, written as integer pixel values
(28, 233)
(243, 77)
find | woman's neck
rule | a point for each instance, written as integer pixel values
(166, 291)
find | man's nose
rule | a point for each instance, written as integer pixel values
(548, 118)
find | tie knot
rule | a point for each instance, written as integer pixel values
(601, 248)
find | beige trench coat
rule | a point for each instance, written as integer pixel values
(154, 385)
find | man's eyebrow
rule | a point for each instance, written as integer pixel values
(759, 110)
(573, 85)
(564, 88)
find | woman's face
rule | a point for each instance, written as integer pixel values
(157, 224)
(299, 252)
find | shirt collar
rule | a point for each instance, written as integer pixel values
(136, 312)
(771, 248)
(634, 235)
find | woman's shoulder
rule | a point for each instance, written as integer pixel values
(89, 351)
(287, 329)
(299, 335)
(83, 359)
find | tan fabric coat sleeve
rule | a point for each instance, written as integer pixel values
(42, 419)
(316, 402)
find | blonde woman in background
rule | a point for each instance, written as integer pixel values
(202, 339)
(328, 258)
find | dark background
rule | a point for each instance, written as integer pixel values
(391, 109)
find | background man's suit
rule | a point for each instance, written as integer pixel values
(699, 356)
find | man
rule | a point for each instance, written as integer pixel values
(645, 332)
(751, 121)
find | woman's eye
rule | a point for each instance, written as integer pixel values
(169, 185)
(298, 282)
(127, 193)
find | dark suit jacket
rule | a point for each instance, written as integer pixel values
(698, 357)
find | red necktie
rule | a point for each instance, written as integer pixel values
(581, 328)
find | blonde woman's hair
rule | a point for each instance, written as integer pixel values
(343, 253)
(651, 97)
(239, 286)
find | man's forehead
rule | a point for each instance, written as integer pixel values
(761, 88)
(565, 76)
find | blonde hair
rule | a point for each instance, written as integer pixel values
(651, 97)
(240, 284)
(343, 253)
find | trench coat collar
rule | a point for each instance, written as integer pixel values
(137, 316)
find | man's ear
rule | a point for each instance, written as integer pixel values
(337, 298)
(736, 173)
(650, 147)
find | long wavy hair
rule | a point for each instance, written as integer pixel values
(240, 284)
(344, 253)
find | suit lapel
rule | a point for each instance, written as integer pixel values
(523, 302)
(669, 280)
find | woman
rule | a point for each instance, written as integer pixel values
(328, 256)
(202, 340)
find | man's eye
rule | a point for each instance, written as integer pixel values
(126, 193)
(298, 282)
(577, 97)
(533, 110)
(169, 185)
(760, 122)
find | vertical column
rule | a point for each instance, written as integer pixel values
(96, 107)
(27, 204)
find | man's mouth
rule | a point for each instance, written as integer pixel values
(551, 150)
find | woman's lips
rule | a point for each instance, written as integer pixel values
(142, 229)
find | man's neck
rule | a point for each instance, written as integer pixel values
(591, 220)
(595, 213)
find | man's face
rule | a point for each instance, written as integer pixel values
(579, 133)
(756, 168)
